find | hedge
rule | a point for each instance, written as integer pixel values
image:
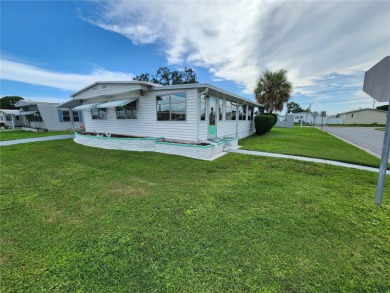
(264, 123)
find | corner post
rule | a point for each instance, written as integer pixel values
(383, 166)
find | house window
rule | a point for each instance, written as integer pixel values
(202, 108)
(250, 113)
(35, 117)
(351, 115)
(76, 117)
(99, 114)
(66, 116)
(220, 107)
(8, 118)
(128, 111)
(242, 112)
(1, 118)
(230, 109)
(171, 107)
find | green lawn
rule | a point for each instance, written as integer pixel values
(92, 220)
(20, 134)
(308, 142)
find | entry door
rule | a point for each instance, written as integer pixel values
(212, 117)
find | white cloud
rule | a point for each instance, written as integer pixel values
(21, 72)
(237, 40)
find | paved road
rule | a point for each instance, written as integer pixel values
(27, 140)
(364, 137)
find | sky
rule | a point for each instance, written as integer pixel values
(51, 49)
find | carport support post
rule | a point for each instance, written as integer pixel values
(383, 166)
(71, 120)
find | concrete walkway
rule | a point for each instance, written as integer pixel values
(335, 163)
(36, 139)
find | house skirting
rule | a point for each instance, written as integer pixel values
(207, 152)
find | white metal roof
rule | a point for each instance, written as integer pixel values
(149, 84)
(10, 112)
(366, 109)
(156, 87)
(22, 103)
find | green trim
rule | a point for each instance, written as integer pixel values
(185, 144)
(119, 138)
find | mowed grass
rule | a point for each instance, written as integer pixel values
(75, 218)
(21, 134)
(308, 142)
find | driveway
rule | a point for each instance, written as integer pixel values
(365, 138)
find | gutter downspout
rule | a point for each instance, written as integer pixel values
(198, 112)
(237, 116)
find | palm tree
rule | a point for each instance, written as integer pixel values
(273, 89)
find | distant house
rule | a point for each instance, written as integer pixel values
(364, 116)
(194, 120)
(315, 118)
(10, 118)
(46, 115)
(308, 117)
(305, 117)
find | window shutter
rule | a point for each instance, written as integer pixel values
(60, 116)
(81, 116)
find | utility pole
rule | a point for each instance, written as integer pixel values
(307, 113)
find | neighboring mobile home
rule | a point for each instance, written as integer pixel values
(46, 115)
(183, 113)
(10, 118)
(364, 116)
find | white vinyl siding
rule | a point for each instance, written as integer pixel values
(146, 124)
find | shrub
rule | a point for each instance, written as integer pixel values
(273, 115)
(264, 123)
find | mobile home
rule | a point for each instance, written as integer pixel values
(187, 113)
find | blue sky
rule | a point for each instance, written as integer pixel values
(50, 49)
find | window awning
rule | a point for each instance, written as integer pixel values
(86, 107)
(27, 113)
(119, 103)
